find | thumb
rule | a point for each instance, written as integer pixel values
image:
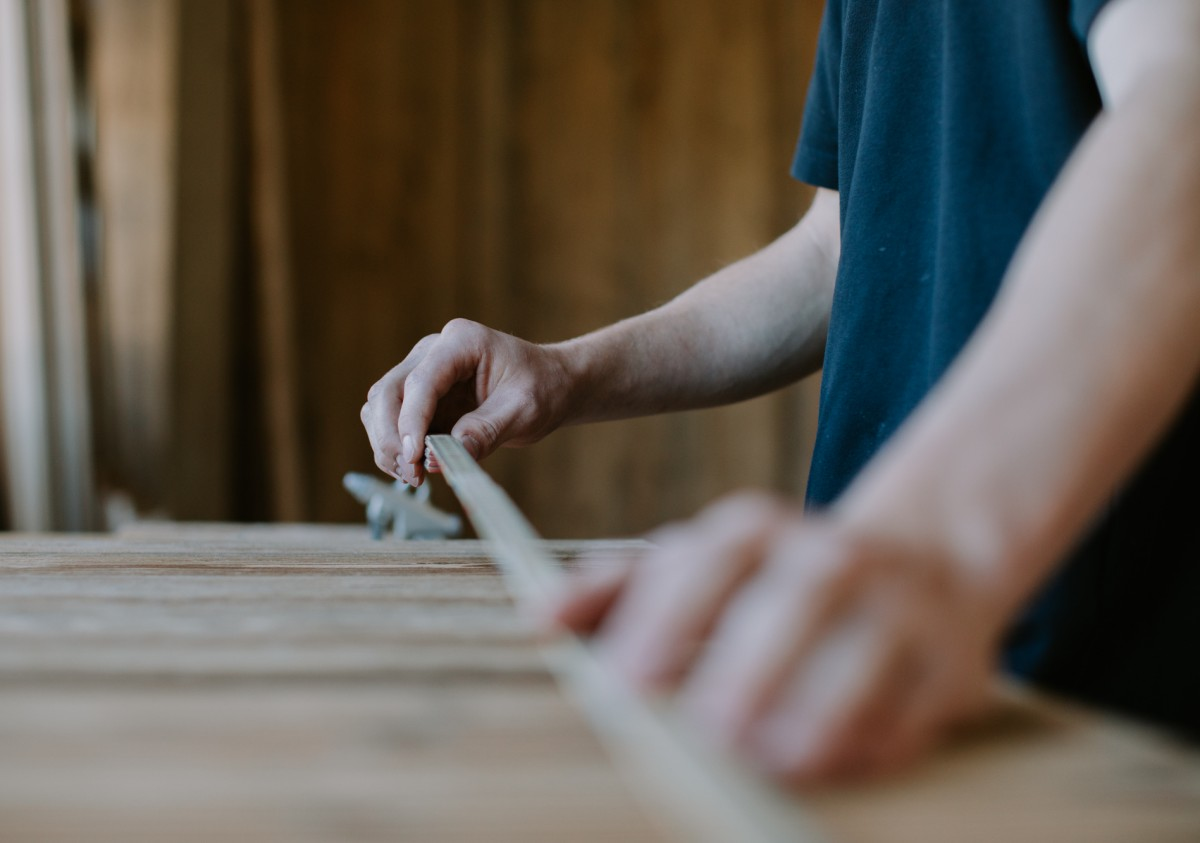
(487, 427)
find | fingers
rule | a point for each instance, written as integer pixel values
(654, 632)
(588, 597)
(819, 653)
(832, 662)
(447, 362)
(593, 590)
(382, 408)
(485, 387)
(769, 629)
(942, 693)
(838, 707)
(486, 428)
(384, 442)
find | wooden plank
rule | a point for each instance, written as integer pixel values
(374, 92)
(25, 398)
(241, 688)
(423, 763)
(58, 216)
(543, 167)
(570, 234)
(44, 381)
(134, 81)
(202, 396)
(677, 166)
(276, 299)
(224, 684)
(1033, 771)
(709, 126)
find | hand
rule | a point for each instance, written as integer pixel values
(486, 388)
(817, 653)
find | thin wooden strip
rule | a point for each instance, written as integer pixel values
(203, 402)
(277, 305)
(74, 494)
(24, 390)
(710, 794)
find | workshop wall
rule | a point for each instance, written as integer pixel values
(345, 177)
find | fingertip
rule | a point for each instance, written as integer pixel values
(431, 461)
(569, 610)
(411, 474)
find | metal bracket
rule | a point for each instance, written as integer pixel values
(406, 509)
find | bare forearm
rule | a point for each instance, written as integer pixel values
(1088, 353)
(750, 328)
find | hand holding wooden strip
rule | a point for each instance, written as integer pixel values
(712, 796)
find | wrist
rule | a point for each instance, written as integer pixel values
(965, 539)
(581, 367)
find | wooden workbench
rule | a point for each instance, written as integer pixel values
(304, 683)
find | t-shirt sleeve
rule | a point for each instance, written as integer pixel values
(1084, 14)
(816, 160)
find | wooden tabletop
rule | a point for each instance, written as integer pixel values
(304, 683)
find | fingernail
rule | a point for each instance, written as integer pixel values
(409, 448)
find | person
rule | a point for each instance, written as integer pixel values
(1000, 276)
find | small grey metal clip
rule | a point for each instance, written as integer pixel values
(406, 509)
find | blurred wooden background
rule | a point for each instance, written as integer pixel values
(293, 193)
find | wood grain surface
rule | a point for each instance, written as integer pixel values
(297, 683)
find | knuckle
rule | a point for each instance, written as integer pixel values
(745, 505)
(488, 431)
(525, 397)
(460, 328)
(365, 412)
(670, 533)
(828, 552)
(418, 380)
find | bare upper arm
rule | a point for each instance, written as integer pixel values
(825, 220)
(1133, 40)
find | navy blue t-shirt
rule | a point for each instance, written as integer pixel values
(943, 126)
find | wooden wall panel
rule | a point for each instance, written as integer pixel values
(701, 181)
(570, 236)
(542, 166)
(44, 380)
(134, 81)
(203, 265)
(372, 111)
(24, 379)
(546, 168)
